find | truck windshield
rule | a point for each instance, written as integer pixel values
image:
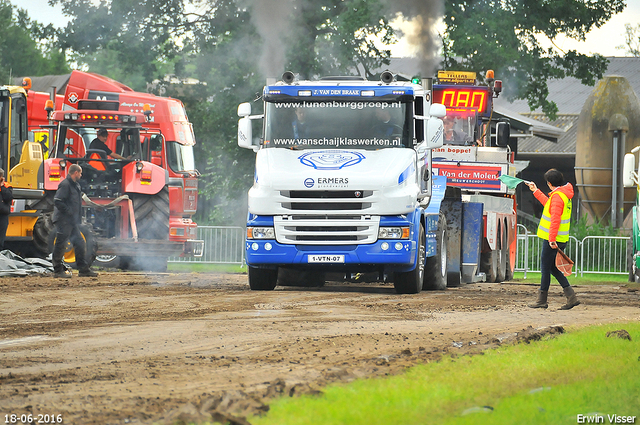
(180, 157)
(460, 126)
(338, 124)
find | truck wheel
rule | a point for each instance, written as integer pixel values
(69, 252)
(411, 282)
(435, 276)
(503, 254)
(41, 231)
(489, 265)
(152, 221)
(262, 279)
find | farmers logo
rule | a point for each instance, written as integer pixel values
(330, 160)
(308, 182)
(73, 97)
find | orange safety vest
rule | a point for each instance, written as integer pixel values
(96, 164)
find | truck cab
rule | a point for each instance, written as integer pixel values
(343, 181)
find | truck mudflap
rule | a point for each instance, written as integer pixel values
(139, 248)
(464, 228)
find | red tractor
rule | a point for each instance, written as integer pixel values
(127, 205)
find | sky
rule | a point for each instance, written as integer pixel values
(604, 40)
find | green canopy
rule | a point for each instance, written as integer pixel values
(510, 181)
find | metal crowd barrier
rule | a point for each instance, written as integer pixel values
(593, 254)
(222, 245)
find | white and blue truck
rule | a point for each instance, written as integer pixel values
(344, 182)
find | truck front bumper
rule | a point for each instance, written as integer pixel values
(397, 255)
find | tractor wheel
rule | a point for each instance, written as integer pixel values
(152, 222)
(41, 232)
(435, 276)
(411, 282)
(108, 261)
(69, 253)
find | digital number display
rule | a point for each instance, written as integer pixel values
(465, 97)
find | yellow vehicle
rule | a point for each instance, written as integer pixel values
(22, 161)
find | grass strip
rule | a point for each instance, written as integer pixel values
(546, 382)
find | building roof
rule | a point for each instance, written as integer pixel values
(570, 94)
(566, 144)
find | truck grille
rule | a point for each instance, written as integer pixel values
(326, 200)
(331, 229)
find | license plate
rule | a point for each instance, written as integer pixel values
(326, 259)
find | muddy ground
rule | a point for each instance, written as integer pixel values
(145, 349)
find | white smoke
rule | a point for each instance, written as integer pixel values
(272, 18)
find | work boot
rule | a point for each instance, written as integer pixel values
(541, 301)
(572, 299)
(62, 273)
(87, 273)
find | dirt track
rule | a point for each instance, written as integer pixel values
(127, 348)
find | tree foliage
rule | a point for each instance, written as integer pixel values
(632, 40)
(505, 36)
(27, 48)
(231, 46)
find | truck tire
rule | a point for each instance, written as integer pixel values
(435, 276)
(411, 282)
(69, 254)
(510, 265)
(489, 265)
(262, 279)
(503, 254)
(152, 221)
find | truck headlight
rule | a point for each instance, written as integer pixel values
(261, 233)
(393, 233)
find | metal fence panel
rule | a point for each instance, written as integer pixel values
(594, 254)
(222, 245)
(604, 254)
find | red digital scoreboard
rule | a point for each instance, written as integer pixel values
(462, 97)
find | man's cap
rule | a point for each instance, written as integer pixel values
(103, 132)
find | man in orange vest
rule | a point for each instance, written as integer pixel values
(6, 199)
(554, 230)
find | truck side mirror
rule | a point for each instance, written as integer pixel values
(245, 132)
(244, 109)
(438, 110)
(434, 133)
(628, 170)
(503, 132)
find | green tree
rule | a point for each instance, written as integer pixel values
(632, 40)
(485, 34)
(219, 43)
(27, 48)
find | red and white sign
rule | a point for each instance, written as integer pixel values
(472, 176)
(73, 97)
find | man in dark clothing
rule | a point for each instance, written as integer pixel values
(67, 216)
(6, 199)
(100, 143)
